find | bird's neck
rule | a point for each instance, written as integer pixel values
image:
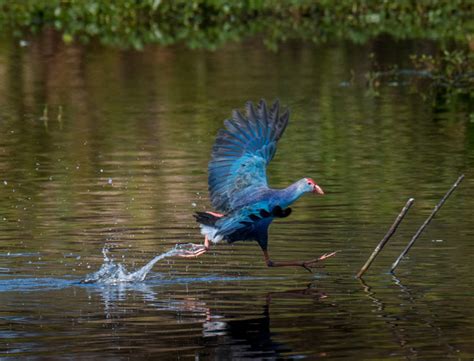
(291, 193)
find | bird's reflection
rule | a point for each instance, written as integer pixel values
(253, 337)
(249, 338)
(223, 336)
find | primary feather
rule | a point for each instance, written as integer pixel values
(242, 152)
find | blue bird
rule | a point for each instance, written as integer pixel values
(238, 183)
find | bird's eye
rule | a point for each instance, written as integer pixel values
(309, 183)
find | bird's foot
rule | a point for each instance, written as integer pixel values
(305, 264)
(312, 263)
(195, 251)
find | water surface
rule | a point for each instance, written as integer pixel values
(102, 147)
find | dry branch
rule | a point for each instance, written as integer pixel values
(387, 236)
(425, 224)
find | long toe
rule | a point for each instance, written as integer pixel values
(327, 255)
(194, 253)
(191, 254)
(313, 262)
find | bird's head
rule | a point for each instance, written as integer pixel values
(310, 186)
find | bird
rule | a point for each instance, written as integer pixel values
(244, 203)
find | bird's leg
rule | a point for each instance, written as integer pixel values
(305, 264)
(215, 214)
(197, 251)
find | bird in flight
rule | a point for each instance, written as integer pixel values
(245, 205)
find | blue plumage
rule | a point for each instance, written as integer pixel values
(237, 177)
(241, 153)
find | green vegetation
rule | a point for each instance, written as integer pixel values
(449, 72)
(210, 23)
(452, 69)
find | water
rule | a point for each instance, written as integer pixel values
(102, 147)
(111, 272)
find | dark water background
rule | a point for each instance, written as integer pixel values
(107, 147)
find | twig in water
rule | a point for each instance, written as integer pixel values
(385, 239)
(425, 224)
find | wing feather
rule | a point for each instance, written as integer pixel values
(242, 152)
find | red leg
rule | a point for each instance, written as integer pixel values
(215, 214)
(305, 264)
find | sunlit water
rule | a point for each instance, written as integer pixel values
(106, 148)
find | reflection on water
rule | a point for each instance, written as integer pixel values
(101, 147)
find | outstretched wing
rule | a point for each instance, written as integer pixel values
(242, 152)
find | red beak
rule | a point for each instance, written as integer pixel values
(317, 189)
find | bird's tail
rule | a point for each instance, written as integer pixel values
(208, 220)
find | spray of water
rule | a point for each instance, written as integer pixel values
(114, 273)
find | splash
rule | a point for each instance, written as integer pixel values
(115, 273)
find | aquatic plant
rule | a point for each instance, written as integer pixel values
(450, 69)
(210, 23)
